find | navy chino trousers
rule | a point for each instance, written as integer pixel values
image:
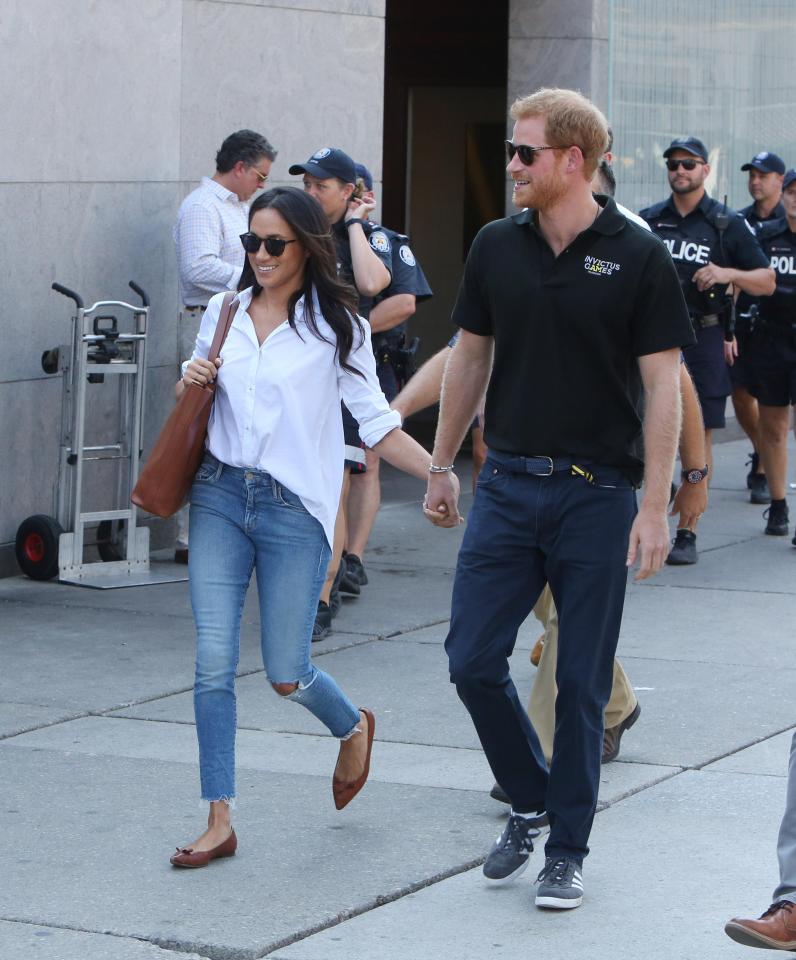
(524, 531)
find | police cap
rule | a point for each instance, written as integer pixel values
(326, 163)
(364, 174)
(690, 145)
(790, 177)
(765, 162)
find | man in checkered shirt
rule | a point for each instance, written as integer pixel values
(207, 237)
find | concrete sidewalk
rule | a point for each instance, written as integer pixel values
(100, 780)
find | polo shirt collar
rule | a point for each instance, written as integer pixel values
(609, 221)
(703, 206)
(219, 190)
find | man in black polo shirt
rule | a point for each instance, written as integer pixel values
(583, 313)
(715, 252)
(766, 171)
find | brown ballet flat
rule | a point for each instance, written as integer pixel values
(344, 792)
(188, 857)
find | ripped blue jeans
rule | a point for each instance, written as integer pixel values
(244, 520)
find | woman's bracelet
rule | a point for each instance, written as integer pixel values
(433, 469)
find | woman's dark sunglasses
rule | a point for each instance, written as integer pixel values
(527, 154)
(687, 164)
(274, 246)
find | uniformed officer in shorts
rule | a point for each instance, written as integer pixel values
(716, 253)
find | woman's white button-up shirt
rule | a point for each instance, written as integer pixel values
(277, 404)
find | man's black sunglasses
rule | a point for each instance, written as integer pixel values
(689, 163)
(527, 154)
(274, 246)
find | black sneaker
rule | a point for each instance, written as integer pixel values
(683, 550)
(355, 569)
(508, 858)
(348, 586)
(560, 884)
(323, 622)
(759, 487)
(753, 463)
(335, 600)
(777, 516)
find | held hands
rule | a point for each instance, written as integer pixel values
(201, 372)
(441, 505)
(649, 541)
(707, 276)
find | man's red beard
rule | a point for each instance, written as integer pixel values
(546, 192)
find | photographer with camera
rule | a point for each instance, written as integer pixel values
(716, 254)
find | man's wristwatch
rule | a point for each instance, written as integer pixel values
(696, 475)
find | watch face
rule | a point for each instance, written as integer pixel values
(694, 476)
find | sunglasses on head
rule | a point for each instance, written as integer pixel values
(527, 154)
(274, 246)
(689, 163)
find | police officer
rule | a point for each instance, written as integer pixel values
(388, 317)
(364, 260)
(713, 249)
(771, 355)
(765, 170)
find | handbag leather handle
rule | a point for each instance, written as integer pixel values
(225, 319)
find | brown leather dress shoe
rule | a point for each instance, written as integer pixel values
(188, 857)
(613, 735)
(181, 555)
(775, 930)
(344, 792)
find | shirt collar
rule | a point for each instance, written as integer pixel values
(609, 220)
(703, 206)
(219, 190)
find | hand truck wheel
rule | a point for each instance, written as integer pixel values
(112, 540)
(36, 546)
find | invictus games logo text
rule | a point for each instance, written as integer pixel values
(600, 268)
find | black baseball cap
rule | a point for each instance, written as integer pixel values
(325, 163)
(690, 145)
(765, 162)
(364, 174)
(790, 177)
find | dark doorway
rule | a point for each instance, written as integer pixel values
(444, 126)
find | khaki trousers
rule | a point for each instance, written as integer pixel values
(542, 701)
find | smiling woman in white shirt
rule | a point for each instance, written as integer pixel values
(266, 494)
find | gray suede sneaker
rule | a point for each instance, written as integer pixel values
(560, 884)
(508, 858)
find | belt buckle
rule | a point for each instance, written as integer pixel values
(549, 471)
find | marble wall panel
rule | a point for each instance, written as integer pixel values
(558, 18)
(90, 91)
(302, 79)
(580, 64)
(363, 8)
(93, 238)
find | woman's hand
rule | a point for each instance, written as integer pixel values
(201, 372)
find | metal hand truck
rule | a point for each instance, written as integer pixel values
(49, 545)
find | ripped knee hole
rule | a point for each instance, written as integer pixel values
(285, 689)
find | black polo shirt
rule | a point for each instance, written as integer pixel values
(567, 333)
(755, 222)
(779, 245)
(693, 241)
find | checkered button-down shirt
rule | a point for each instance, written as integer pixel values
(207, 237)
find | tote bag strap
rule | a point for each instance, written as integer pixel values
(225, 319)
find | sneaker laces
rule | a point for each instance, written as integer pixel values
(753, 461)
(777, 906)
(557, 872)
(517, 834)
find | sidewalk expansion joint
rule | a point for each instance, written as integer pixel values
(742, 747)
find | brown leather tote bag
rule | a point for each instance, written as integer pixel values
(164, 482)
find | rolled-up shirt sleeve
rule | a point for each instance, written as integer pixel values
(362, 393)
